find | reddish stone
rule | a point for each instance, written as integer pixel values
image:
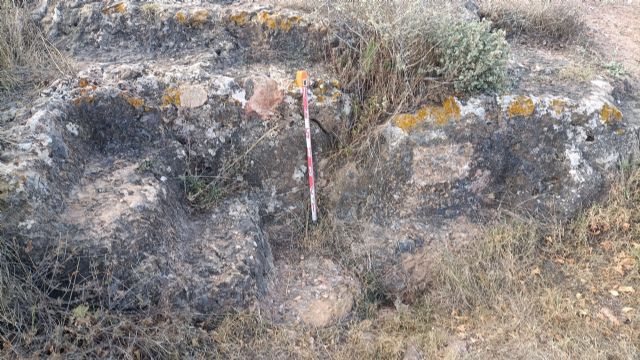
(265, 97)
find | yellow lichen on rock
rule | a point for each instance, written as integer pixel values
(441, 115)
(198, 18)
(405, 121)
(558, 106)
(132, 100)
(118, 8)
(181, 17)
(83, 82)
(171, 97)
(274, 22)
(84, 99)
(286, 24)
(522, 106)
(240, 19)
(609, 114)
(267, 19)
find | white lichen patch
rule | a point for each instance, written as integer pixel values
(473, 107)
(600, 95)
(73, 128)
(579, 169)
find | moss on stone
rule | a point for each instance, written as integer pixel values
(558, 106)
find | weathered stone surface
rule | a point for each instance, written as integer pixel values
(265, 96)
(98, 164)
(316, 292)
(192, 96)
(436, 176)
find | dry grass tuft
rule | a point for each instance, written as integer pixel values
(27, 58)
(556, 20)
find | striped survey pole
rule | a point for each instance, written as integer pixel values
(302, 80)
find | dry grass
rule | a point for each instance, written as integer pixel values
(577, 72)
(526, 290)
(555, 20)
(523, 290)
(27, 59)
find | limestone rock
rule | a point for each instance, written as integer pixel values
(193, 96)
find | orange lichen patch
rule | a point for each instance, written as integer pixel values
(171, 97)
(336, 95)
(335, 83)
(85, 99)
(320, 98)
(321, 87)
(405, 121)
(83, 82)
(522, 106)
(132, 100)
(240, 19)
(181, 17)
(609, 114)
(198, 18)
(558, 106)
(286, 24)
(119, 8)
(274, 22)
(450, 110)
(267, 19)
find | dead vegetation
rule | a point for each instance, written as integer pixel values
(542, 20)
(524, 290)
(27, 58)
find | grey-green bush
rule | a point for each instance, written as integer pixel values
(472, 56)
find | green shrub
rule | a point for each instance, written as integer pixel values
(472, 56)
(394, 55)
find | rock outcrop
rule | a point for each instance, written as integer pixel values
(170, 96)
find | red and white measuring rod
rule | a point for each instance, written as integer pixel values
(302, 80)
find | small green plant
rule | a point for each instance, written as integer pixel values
(615, 69)
(146, 165)
(473, 56)
(201, 191)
